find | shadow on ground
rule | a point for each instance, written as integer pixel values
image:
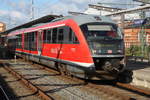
(10, 93)
(136, 65)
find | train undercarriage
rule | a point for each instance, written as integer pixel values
(113, 69)
(106, 69)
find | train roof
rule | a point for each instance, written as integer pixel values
(80, 19)
(83, 19)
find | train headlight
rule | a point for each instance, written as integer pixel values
(93, 51)
(119, 51)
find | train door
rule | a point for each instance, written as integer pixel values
(39, 42)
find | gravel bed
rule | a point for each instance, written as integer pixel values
(14, 88)
(53, 85)
(62, 89)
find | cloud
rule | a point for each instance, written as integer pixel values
(3, 12)
(20, 6)
(63, 6)
(12, 18)
(12, 14)
(17, 14)
(20, 11)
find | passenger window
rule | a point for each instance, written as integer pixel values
(54, 36)
(48, 33)
(47, 36)
(70, 35)
(44, 36)
(19, 41)
(60, 36)
(30, 41)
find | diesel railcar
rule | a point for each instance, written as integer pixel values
(84, 46)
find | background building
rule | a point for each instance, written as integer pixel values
(2, 27)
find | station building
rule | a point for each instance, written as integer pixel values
(2, 29)
(133, 27)
(134, 32)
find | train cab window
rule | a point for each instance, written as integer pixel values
(72, 37)
(54, 35)
(75, 40)
(100, 31)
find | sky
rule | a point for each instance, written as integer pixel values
(16, 12)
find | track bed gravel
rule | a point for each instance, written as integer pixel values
(14, 88)
(52, 84)
(65, 88)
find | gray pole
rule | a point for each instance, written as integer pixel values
(143, 34)
(32, 9)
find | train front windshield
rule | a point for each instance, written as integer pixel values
(100, 31)
(103, 38)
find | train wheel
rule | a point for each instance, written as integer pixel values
(62, 69)
(68, 72)
(126, 76)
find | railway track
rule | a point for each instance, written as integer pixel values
(27, 83)
(107, 90)
(72, 87)
(116, 90)
(42, 80)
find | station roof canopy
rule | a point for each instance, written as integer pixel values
(140, 23)
(104, 8)
(131, 10)
(76, 13)
(44, 19)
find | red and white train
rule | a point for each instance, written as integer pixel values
(85, 46)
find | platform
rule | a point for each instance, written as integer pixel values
(141, 72)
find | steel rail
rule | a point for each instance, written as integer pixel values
(27, 83)
(109, 91)
(106, 90)
(131, 87)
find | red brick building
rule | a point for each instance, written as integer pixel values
(132, 36)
